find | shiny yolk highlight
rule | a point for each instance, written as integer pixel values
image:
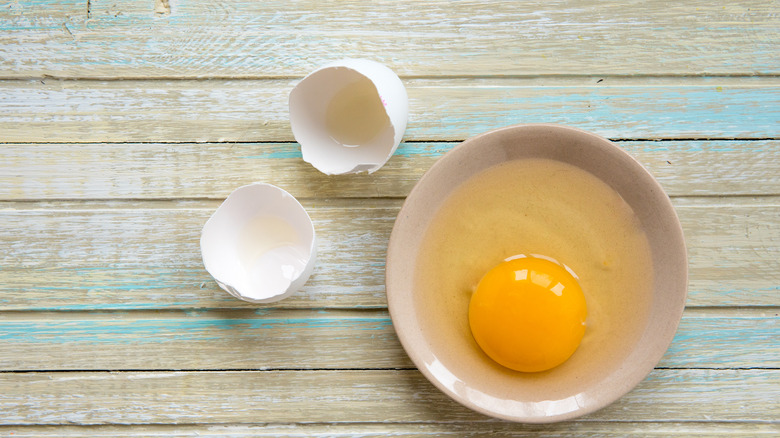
(528, 314)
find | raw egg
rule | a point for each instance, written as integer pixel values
(528, 313)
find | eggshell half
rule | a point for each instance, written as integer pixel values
(259, 245)
(309, 102)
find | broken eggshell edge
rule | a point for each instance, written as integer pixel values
(220, 236)
(318, 88)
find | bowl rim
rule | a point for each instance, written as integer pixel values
(640, 372)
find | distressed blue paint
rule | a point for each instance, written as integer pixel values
(741, 336)
(281, 150)
(36, 15)
(185, 294)
(405, 149)
(116, 306)
(167, 330)
(747, 339)
(725, 111)
(410, 149)
(129, 286)
(703, 331)
(432, 149)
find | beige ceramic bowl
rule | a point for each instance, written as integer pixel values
(553, 395)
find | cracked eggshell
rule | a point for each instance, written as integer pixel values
(320, 98)
(259, 245)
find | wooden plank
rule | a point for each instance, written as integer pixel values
(105, 171)
(571, 429)
(156, 254)
(272, 38)
(67, 258)
(440, 109)
(306, 339)
(347, 396)
(733, 255)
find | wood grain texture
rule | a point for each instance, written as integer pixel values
(125, 38)
(304, 339)
(361, 396)
(213, 170)
(142, 257)
(124, 124)
(572, 429)
(440, 109)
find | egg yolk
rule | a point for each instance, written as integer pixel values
(528, 314)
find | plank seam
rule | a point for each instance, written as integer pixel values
(307, 199)
(487, 422)
(309, 370)
(755, 312)
(411, 142)
(212, 370)
(390, 202)
(700, 75)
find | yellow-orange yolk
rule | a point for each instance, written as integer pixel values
(528, 314)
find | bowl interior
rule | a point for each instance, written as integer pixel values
(594, 379)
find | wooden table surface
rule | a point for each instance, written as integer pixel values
(124, 124)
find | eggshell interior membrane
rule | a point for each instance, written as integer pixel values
(259, 245)
(309, 103)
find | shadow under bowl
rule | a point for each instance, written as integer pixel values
(593, 381)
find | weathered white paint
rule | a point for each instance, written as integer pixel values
(287, 339)
(439, 109)
(99, 264)
(201, 38)
(142, 258)
(348, 396)
(213, 170)
(573, 429)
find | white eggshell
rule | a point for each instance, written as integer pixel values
(259, 245)
(309, 102)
